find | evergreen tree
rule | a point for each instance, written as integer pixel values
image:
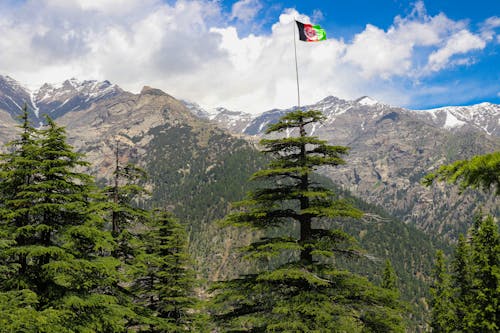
(16, 172)
(165, 283)
(443, 318)
(485, 286)
(389, 277)
(300, 290)
(481, 171)
(122, 200)
(468, 301)
(461, 284)
(54, 261)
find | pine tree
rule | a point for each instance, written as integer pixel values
(122, 205)
(300, 291)
(16, 172)
(443, 318)
(165, 284)
(389, 277)
(461, 284)
(485, 286)
(56, 258)
(468, 301)
(482, 171)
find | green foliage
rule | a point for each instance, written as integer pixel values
(164, 283)
(54, 271)
(389, 277)
(471, 304)
(301, 290)
(443, 309)
(481, 172)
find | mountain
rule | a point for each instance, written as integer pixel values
(392, 148)
(195, 168)
(484, 116)
(54, 100)
(13, 95)
(71, 95)
(234, 121)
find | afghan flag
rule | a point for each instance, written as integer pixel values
(310, 33)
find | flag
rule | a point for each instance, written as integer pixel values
(310, 33)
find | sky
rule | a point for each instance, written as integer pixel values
(240, 54)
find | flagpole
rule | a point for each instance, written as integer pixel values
(296, 64)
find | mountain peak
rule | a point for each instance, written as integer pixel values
(147, 90)
(367, 100)
(71, 95)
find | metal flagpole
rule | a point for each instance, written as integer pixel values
(296, 65)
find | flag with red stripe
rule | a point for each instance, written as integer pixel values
(310, 32)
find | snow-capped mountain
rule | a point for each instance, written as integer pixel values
(484, 116)
(13, 95)
(54, 100)
(197, 110)
(71, 95)
(234, 121)
(332, 107)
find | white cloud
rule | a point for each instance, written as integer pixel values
(489, 26)
(245, 10)
(459, 43)
(187, 49)
(384, 54)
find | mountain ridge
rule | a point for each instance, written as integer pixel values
(391, 147)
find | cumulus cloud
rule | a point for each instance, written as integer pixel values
(245, 10)
(188, 49)
(459, 43)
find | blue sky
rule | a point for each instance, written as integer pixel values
(239, 54)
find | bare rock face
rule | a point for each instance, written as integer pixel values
(124, 119)
(7, 128)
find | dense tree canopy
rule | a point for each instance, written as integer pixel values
(52, 260)
(467, 299)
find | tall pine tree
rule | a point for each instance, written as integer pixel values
(443, 309)
(56, 257)
(468, 300)
(299, 289)
(164, 285)
(485, 287)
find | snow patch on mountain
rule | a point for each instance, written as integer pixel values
(485, 116)
(366, 100)
(36, 109)
(452, 121)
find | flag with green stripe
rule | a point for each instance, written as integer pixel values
(310, 32)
